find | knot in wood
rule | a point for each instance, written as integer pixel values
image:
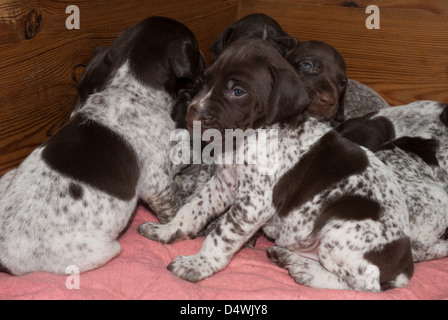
(32, 24)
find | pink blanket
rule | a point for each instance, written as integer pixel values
(139, 272)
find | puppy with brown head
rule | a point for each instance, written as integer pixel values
(322, 68)
(336, 215)
(250, 85)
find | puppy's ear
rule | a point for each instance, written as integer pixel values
(184, 62)
(340, 114)
(285, 45)
(188, 65)
(109, 56)
(221, 41)
(288, 95)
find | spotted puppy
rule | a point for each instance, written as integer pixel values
(335, 212)
(421, 119)
(412, 141)
(71, 198)
(413, 161)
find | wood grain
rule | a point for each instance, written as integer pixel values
(37, 87)
(406, 60)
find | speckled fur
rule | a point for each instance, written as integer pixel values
(50, 221)
(421, 119)
(359, 100)
(426, 199)
(421, 165)
(70, 200)
(341, 245)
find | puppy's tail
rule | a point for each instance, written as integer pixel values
(444, 115)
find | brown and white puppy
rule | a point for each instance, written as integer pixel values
(98, 71)
(68, 201)
(412, 140)
(336, 213)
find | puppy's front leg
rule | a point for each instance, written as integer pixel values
(216, 196)
(162, 197)
(231, 233)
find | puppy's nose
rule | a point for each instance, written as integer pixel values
(326, 99)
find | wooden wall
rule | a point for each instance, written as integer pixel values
(406, 60)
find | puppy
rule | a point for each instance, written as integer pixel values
(71, 198)
(413, 161)
(397, 135)
(336, 213)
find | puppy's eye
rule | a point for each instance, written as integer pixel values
(238, 92)
(307, 65)
(343, 82)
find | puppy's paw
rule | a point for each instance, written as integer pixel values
(279, 255)
(191, 268)
(160, 232)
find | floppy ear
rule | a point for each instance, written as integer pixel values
(340, 114)
(109, 56)
(285, 45)
(185, 61)
(221, 41)
(288, 95)
(188, 65)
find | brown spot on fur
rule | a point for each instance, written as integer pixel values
(89, 152)
(424, 148)
(330, 160)
(392, 259)
(367, 132)
(348, 208)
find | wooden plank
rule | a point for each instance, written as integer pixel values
(405, 60)
(37, 87)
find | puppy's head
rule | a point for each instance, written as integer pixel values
(98, 70)
(255, 26)
(248, 86)
(162, 52)
(323, 71)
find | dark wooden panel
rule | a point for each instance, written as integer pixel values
(37, 86)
